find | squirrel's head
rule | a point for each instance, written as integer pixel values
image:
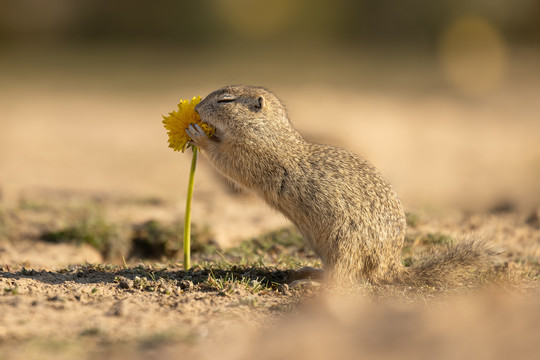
(244, 112)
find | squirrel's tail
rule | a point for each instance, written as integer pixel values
(450, 265)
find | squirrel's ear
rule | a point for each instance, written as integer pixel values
(260, 103)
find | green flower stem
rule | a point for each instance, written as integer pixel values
(187, 219)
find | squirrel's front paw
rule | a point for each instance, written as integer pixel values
(197, 135)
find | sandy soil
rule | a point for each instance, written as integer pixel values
(150, 309)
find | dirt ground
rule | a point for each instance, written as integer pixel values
(88, 152)
(240, 310)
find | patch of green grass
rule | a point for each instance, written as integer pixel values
(295, 262)
(223, 278)
(92, 229)
(415, 240)
(87, 224)
(417, 243)
(231, 281)
(281, 248)
(28, 272)
(275, 245)
(437, 239)
(412, 219)
(248, 278)
(158, 339)
(31, 204)
(92, 331)
(13, 290)
(408, 261)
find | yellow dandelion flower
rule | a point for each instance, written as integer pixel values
(178, 121)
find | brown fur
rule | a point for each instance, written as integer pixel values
(345, 209)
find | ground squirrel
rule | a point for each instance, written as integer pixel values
(344, 208)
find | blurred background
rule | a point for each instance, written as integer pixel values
(442, 96)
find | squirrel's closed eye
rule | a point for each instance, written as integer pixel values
(226, 98)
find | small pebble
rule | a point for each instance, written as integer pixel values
(124, 283)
